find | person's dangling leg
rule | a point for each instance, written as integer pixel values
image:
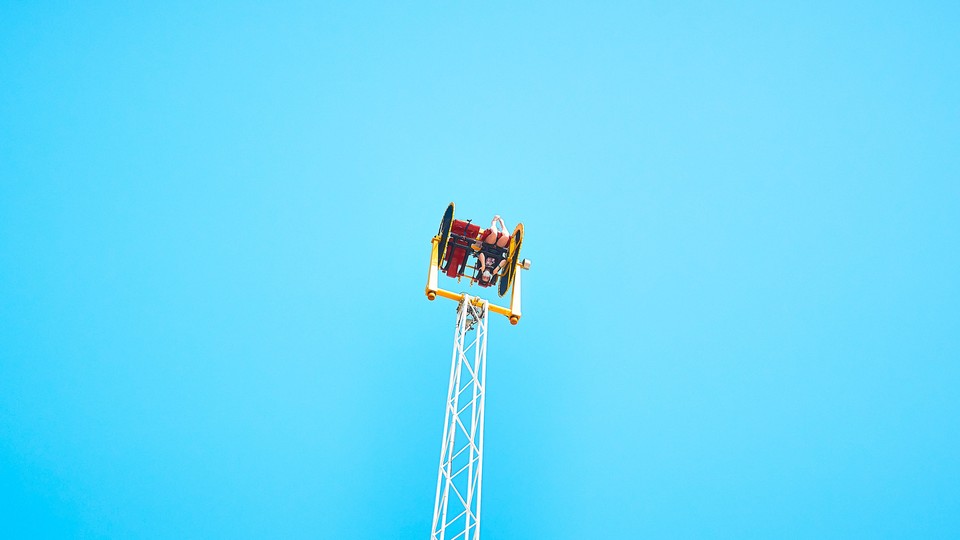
(492, 234)
(503, 238)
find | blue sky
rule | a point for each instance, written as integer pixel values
(741, 320)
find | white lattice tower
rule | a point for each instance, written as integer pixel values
(456, 514)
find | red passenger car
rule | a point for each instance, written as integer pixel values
(461, 243)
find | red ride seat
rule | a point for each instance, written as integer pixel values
(457, 248)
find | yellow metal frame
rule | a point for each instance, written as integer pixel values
(433, 291)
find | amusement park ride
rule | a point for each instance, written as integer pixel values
(456, 513)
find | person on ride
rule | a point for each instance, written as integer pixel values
(491, 265)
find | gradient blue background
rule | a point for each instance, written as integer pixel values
(741, 322)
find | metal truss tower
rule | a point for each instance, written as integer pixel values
(456, 514)
(456, 509)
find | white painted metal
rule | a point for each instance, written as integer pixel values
(456, 514)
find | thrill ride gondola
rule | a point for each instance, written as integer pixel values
(456, 252)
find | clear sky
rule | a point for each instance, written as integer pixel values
(741, 321)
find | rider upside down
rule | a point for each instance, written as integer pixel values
(491, 252)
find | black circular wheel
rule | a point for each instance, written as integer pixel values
(504, 284)
(444, 234)
(513, 255)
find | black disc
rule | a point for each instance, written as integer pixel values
(513, 255)
(504, 284)
(444, 234)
